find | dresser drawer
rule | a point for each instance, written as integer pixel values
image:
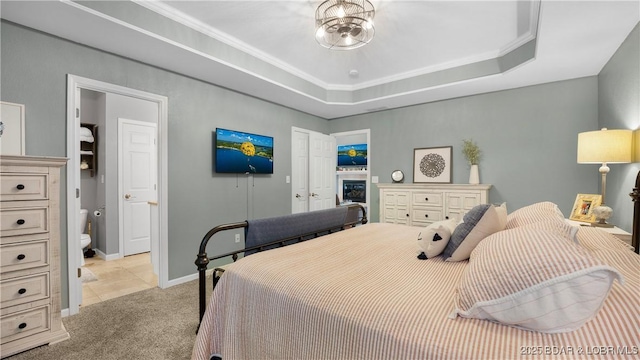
(25, 323)
(23, 221)
(23, 187)
(24, 289)
(427, 199)
(24, 256)
(426, 215)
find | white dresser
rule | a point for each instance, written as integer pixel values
(423, 204)
(30, 253)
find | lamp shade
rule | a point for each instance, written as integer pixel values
(605, 146)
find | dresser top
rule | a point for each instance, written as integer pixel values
(423, 186)
(23, 160)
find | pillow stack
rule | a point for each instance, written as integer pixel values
(534, 275)
(535, 279)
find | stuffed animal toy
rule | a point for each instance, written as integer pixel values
(434, 238)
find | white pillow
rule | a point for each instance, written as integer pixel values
(533, 213)
(480, 222)
(533, 279)
(434, 238)
(502, 214)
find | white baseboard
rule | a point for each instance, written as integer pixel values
(187, 278)
(106, 257)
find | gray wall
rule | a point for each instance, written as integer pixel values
(34, 67)
(528, 138)
(619, 108)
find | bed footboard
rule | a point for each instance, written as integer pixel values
(348, 216)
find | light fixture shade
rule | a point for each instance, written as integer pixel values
(605, 146)
(344, 24)
(636, 145)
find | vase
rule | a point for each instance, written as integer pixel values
(474, 177)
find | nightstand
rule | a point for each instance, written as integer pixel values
(615, 231)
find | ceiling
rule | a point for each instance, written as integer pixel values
(423, 51)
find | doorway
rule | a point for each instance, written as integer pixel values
(157, 225)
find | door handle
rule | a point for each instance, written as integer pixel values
(298, 196)
(129, 196)
(313, 194)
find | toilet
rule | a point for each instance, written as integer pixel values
(85, 239)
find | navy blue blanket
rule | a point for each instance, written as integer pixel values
(263, 231)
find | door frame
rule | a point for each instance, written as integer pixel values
(122, 121)
(74, 84)
(293, 167)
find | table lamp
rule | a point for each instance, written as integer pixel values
(604, 147)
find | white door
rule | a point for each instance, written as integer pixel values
(137, 174)
(323, 154)
(299, 171)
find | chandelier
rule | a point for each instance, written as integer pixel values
(344, 24)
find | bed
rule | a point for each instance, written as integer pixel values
(362, 293)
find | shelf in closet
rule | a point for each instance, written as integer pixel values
(88, 150)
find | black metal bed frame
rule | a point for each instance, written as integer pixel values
(202, 260)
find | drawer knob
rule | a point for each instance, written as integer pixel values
(22, 325)
(426, 199)
(446, 217)
(20, 187)
(407, 215)
(22, 291)
(21, 257)
(426, 215)
(20, 221)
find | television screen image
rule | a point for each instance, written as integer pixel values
(243, 153)
(352, 155)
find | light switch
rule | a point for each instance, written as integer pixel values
(374, 179)
(287, 179)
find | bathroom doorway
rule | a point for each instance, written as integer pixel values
(100, 105)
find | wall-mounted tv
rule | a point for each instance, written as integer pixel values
(237, 152)
(352, 155)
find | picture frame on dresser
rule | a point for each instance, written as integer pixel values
(432, 165)
(582, 209)
(12, 131)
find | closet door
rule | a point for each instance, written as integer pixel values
(323, 155)
(313, 167)
(299, 171)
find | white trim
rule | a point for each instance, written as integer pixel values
(64, 312)
(197, 25)
(76, 82)
(106, 257)
(237, 44)
(184, 279)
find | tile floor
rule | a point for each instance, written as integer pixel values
(118, 277)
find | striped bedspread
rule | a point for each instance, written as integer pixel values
(362, 294)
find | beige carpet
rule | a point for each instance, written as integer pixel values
(150, 324)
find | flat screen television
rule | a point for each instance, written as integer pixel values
(237, 152)
(352, 155)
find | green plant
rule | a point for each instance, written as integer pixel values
(471, 151)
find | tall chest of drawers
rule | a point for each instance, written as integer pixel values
(30, 253)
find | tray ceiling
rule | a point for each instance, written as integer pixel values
(423, 50)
